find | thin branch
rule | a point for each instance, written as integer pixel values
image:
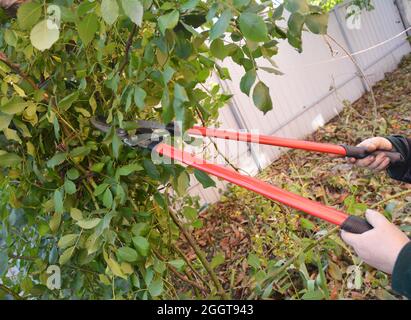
(362, 74)
(398, 195)
(178, 274)
(16, 68)
(15, 295)
(128, 46)
(217, 148)
(16, 257)
(196, 273)
(200, 255)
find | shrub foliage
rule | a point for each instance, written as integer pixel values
(77, 198)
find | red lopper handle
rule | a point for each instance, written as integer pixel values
(290, 199)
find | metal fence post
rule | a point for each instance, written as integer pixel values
(403, 15)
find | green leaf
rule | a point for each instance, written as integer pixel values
(55, 222)
(73, 174)
(134, 10)
(334, 271)
(183, 183)
(76, 214)
(10, 36)
(142, 245)
(313, 295)
(67, 101)
(5, 120)
(56, 128)
(262, 98)
(247, 81)
(13, 106)
(178, 264)
(217, 260)
(129, 169)
(85, 7)
(168, 21)
(44, 35)
(97, 167)
(218, 49)
(87, 28)
(108, 198)
(58, 201)
(88, 224)
(139, 97)
(140, 229)
(28, 14)
(43, 229)
(271, 70)
(278, 12)
(4, 263)
(295, 24)
(180, 97)
(317, 23)
(11, 134)
(114, 266)
(67, 240)
(127, 254)
(69, 186)
(253, 261)
(189, 5)
(100, 189)
(307, 224)
(221, 25)
(80, 151)
(300, 6)
(109, 11)
(9, 160)
(240, 3)
(204, 179)
(253, 27)
(190, 213)
(156, 287)
(65, 257)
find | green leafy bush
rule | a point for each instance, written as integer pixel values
(74, 197)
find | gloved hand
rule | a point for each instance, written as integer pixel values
(380, 246)
(379, 162)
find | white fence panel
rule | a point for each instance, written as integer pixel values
(313, 86)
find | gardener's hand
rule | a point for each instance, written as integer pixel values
(380, 246)
(379, 162)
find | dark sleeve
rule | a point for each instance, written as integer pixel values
(401, 172)
(401, 276)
